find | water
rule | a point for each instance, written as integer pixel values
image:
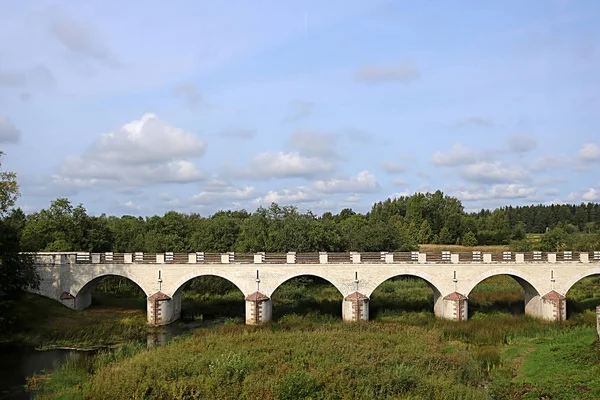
(19, 362)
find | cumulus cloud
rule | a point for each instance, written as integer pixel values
(509, 191)
(313, 143)
(8, 131)
(589, 152)
(298, 195)
(298, 109)
(521, 142)
(403, 72)
(591, 195)
(458, 155)
(364, 182)
(142, 152)
(146, 140)
(225, 194)
(493, 172)
(287, 165)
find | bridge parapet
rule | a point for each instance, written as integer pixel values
(444, 257)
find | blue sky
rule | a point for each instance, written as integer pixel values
(143, 107)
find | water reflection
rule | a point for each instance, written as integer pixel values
(19, 362)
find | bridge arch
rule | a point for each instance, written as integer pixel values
(341, 289)
(521, 278)
(577, 277)
(532, 295)
(393, 274)
(83, 293)
(177, 288)
(435, 288)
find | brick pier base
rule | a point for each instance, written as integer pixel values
(355, 307)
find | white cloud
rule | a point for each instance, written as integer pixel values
(8, 131)
(142, 152)
(364, 182)
(299, 195)
(493, 172)
(521, 142)
(399, 182)
(354, 198)
(546, 163)
(591, 195)
(510, 191)
(230, 193)
(371, 74)
(148, 139)
(458, 155)
(589, 152)
(392, 168)
(572, 196)
(287, 165)
(313, 143)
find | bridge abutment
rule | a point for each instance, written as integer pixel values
(259, 309)
(355, 307)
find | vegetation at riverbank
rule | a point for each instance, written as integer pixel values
(44, 323)
(308, 352)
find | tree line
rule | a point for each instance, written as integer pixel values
(398, 224)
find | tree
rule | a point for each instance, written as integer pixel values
(17, 270)
(469, 239)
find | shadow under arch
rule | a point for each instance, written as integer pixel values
(583, 293)
(209, 297)
(84, 298)
(404, 292)
(497, 293)
(305, 294)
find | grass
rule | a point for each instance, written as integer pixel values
(307, 352)
(49, 324)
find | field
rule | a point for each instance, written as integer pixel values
(308, 353)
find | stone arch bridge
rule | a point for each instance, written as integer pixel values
(545, 277)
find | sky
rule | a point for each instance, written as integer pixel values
(141, 107)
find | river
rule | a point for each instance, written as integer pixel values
(18, 362)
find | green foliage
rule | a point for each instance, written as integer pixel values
(469, 239)
(17, 270)
(297, 385)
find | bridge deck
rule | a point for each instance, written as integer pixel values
(444, 257)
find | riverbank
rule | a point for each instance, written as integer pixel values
(45, 324)
(404, 352)
(319, 357)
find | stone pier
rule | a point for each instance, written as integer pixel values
(258, 308)
(355, 307)
(598, 320)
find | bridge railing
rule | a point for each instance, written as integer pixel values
(444, 257)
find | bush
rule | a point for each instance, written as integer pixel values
(469, 239)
